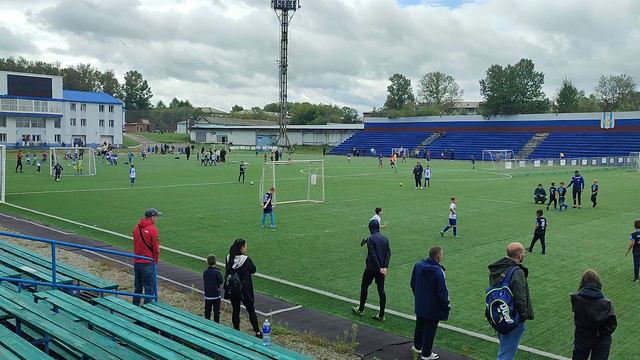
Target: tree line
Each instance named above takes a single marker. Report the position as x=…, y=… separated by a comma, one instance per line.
x=304, y=113
x=508, y=90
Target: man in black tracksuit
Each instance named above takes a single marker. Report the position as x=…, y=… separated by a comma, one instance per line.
x=377, y=263
x=417, y=174
x=540, y=232
x=553, y=198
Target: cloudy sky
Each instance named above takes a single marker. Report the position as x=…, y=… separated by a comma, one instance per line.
x=222, y=52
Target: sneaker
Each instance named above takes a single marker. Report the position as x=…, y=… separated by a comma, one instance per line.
x=273, y=226
x=579, y=207
x=417, y=351
x=378, y=317
x=441, y=233
x=635, y=280
x=529, y=250
x=433, y=356
x=356, y=310
x=574, y=206
x=547, y=208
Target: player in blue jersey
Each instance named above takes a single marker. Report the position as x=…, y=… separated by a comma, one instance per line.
x=595, y=188
x=634, y=245
x=562, y=196
x=267, y=207
x=553, y=197
x=243, y=170
x=539, y=232
x=578, y=185
x=453, y=218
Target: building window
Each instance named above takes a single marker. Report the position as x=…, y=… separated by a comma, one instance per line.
x=56, y=123
x=39, y=123
x=72, y=121
x=57, y=138
x=83, y=122
x=83, y=107
x=101, y=122
x=23, y=123
x=101, y=108
x=3, y=137
x=3, y=121
x=73, y=107
x=111, y=108
x=111, y=123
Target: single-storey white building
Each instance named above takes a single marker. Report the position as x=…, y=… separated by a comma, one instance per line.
x=36, y=111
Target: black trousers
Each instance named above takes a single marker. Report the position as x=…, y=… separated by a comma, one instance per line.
x=424, y=335
x=367, y=278
x=241, y=176
x=208, y=305
x=577, y=195
x=418, y=180
x=636, y=264
x=19, y=165
x=594, y=200
x=538, y=236
x=251, y=310
x=598, y=348
x=554, y=201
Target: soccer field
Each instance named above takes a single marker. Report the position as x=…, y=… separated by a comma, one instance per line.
x=318, y=245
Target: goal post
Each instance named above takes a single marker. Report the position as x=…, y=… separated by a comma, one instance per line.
x=3, y=171
x=493, y=158
x=75, y=160
x=633, y=164
x=295, y=181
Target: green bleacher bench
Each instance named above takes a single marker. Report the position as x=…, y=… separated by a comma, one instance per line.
x=8, y=272
x=183, y=332
x=54, y=345
x=62, y=269
x=14, y=347
x=62, y=328
x=137, y=337
x=216, y=330
x=28, y=268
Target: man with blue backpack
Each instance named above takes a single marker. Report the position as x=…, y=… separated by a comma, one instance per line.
x=508, y=300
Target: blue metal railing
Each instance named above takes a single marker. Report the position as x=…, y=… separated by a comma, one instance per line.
x=54, y=284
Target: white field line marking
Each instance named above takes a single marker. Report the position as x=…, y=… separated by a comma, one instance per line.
x=306, y=288
x=36, y=224
x=500, y=201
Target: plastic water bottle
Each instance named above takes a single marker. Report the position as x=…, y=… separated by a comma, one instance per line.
x=266, y=333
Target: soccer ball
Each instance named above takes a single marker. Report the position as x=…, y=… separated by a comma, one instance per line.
x=400, y=184
x=251, y=183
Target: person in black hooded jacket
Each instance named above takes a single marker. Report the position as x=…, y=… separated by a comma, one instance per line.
x=377, y=263
x=594, y=318
x=240, y=263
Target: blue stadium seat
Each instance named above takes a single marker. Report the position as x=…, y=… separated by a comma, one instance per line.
x=587, y=144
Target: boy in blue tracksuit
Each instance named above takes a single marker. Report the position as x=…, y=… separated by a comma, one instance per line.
x=267, y=207
x=578, y=185
x=212, y=280
x=562, y=195
x=429, y=287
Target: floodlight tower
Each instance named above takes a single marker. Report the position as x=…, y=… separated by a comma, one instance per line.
x=284, y=9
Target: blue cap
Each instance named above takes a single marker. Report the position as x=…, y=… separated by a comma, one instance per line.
x=151, y=212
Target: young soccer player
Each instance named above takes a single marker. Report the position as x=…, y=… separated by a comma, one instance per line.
x=57, y=170
x=562, y=195
x=132, y=175
x=28, y=158
x=380, y=160
x=38, y=165
x=539, y=232
x=377, y=216
x=243, y=169
x=634, y=245
x=80, y=166
x=453, y=216
x=267, y=207
x=473, y=162
x=417, y=174
x=578, y=185
x=212, y=280
x=348, y=157
x=594, y=193
x=392, y=162
x=553, y=197
x=427, y=177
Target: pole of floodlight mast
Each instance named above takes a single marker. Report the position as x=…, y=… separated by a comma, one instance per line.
x=284, y=9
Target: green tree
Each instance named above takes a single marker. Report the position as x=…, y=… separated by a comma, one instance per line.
x=439, y=90
x=177, y=103
x=568, y=98
x=82, y=77
x=349, y=115
x=136, y=91
x=237, y=108
x=613, y=91
x=273, y=107
x=588, y=103
x=161, y=105
x=399, y=92
x=514, y=89
x=109, y=84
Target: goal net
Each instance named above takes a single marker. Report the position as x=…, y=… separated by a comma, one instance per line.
x=74, y=161
x=495, y=158
x=295, y=181
x=633, y=164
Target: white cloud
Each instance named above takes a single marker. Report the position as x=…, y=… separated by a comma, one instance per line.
x=220, y=53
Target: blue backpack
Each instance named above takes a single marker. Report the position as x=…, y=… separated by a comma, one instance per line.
x=501, y=311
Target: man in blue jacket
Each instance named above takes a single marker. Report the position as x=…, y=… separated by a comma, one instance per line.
x=429, y=288
x=377, y=263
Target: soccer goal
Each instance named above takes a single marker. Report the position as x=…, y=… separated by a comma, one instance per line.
x=75, y=161
x=633, y=164
x=295, y=181
x=495, y=158
x=3, y=171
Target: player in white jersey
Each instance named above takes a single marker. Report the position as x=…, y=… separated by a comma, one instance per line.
x=453, y=216
x=427, y=177
x=132, y=174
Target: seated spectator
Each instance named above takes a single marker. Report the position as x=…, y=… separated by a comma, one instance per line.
x=540, y=195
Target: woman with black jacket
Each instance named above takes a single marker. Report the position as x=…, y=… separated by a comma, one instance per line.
x=239, y=263
x=594, y=318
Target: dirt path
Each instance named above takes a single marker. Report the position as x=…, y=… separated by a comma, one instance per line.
x=139, y=138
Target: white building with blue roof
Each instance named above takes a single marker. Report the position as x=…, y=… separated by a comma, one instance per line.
x=36, y=111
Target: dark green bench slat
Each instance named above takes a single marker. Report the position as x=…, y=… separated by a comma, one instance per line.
x=177, y=330
x=137, y=337
x=63, y=269
x=61, y=327
x=8, y=272
x=31, y=269
x=220, y=331
x=54, y=344
x=19, y=346
x=6, y=354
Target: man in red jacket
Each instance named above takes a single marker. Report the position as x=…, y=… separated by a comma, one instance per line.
x=145, y=243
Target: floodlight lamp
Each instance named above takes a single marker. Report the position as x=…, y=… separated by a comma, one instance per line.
x=285, y=4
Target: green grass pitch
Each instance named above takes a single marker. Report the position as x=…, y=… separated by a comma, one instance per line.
x=317, y=245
